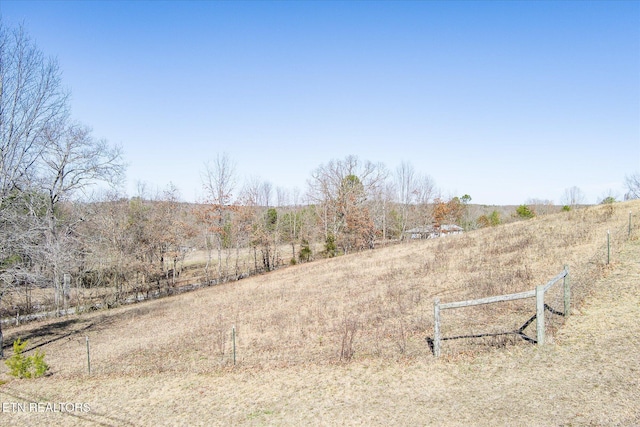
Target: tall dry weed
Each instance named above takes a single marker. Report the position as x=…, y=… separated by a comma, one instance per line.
x=350, y=326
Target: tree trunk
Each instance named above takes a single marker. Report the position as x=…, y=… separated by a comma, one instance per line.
x=255, y=259
x=175, y=267
x=219, y=258
x=57, y=290
x=208, y=265
x=237, y=259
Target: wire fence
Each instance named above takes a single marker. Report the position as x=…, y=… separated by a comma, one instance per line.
x=585, y=276
x=556, y=300
x=81, y=299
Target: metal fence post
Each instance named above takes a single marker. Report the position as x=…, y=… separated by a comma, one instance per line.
x=608, y=247
x=233, y=332
x=436, y=327
x=567, y=293
x=88, y=357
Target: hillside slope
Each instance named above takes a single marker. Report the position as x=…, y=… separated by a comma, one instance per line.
x=167, y=362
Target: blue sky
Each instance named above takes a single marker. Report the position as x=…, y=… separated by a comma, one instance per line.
x=505, y=101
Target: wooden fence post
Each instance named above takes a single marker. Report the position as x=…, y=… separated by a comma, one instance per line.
x=436, y=327
x=540, y=314
x=567, y=293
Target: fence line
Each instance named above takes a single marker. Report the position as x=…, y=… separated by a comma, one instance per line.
x=582, y=277
x=538, y=293
x=153, y=289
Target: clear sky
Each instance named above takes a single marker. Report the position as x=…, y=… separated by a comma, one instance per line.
x=505, y=101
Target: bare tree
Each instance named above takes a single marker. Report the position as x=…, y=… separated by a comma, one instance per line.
x=22, y=231
x=407, y=191
x=219, y=181
x=264, y=192
x=45, y=160
x=138, y=242
x=632, y=182
x=425, y=195
x=339, y=190
x=32, y=100
x=573, y=197
x=123, y=247
x=541, y=206
x=382, y=205
x=293, y=226
x=71, y=161
x=256, y=199
x=170, y=231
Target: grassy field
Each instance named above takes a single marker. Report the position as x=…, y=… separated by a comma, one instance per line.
x=344, y=341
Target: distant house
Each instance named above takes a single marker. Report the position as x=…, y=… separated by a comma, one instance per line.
x=446, y=229
x=420, y=232
x=431, y=231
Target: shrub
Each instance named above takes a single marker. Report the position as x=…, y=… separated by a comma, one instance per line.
x=305, y=251
x=330, y=246
x=608, y=200
x=491, y=220
x=40, y=367
x=21, y=366
x=524, y=211
x=494, y=218
x=566, y=208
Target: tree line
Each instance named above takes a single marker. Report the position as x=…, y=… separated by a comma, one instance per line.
x=46, y=158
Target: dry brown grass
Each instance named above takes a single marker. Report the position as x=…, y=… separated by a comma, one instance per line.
x=343, y=341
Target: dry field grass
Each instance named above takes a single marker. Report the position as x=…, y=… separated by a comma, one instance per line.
x=343, y=341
